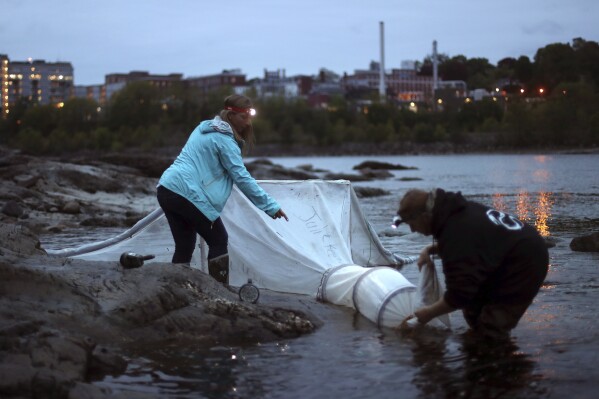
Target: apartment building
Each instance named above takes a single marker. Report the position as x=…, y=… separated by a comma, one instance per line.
x=37, y=81
x=116, y=81
x=227, y=78
x=4, y=104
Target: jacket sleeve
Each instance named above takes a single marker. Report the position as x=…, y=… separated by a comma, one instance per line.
x=464, y=279
x=230, y=158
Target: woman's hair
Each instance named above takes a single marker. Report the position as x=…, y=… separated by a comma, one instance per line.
x=239, y=101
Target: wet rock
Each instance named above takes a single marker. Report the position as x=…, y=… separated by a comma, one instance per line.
x=310, y=168
x=382, y=165
x=550, y=242
x=364, y=192
x=67, y=356
x=63, y=321
x=264, y=169
x=58, y=228
x=146, y=164
x=16, y=375
x=13, y=209
x=105, y=361
x=88, y=391
x=409, y=178
x=102, y=222
x=18, y=240
x=71, y=207
x=588, y=243
x=376, y=173
x=51, y=192
x=26, y=180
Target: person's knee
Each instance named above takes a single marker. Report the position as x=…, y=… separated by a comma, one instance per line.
x=183, y=251
x=216, y=250
x=498, y=320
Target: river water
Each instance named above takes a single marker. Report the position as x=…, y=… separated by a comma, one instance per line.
x=555, y=348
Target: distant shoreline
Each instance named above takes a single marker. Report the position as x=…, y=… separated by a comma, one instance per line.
x=375, y=149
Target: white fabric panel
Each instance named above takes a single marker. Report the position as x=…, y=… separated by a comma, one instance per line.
x=290, y=256
x=326, y=229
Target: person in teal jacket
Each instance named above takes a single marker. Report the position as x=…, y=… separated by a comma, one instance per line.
x=193, y=191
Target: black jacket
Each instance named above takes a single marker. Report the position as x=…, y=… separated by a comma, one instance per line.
x=487, y=255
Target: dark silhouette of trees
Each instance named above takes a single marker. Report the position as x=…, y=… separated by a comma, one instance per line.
x=566, y=113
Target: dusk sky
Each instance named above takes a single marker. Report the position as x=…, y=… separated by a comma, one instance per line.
x=199, y=37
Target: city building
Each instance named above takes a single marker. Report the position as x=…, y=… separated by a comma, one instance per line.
x=227, y=78
x=402, y=85
x=363, y=80
x=276, y=84
x=36, y=81
x=4, y=104
x=91, y=92
x=116, y=81
x=406, y=86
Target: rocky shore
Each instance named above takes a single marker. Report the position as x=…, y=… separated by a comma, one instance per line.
x=65, y=323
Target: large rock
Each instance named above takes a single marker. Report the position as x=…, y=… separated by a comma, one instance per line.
x=265, y=169
x=18, y=240
x=588, y=243
x=64, y=321
x=41, y=192
x=382, y=165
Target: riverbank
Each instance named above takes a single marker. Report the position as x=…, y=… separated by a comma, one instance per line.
x=65, y=323
x=343, y=354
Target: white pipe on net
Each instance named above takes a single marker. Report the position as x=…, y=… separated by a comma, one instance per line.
x=381, y=294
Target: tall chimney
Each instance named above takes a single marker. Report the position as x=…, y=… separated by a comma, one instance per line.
x=435, y=69
x=382, y=64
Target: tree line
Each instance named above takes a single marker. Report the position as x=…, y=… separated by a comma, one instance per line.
x=550, y=101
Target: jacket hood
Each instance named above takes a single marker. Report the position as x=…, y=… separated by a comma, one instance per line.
x=446, y=204
x=216, y=125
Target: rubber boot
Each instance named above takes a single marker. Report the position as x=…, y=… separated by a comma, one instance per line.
x=218, y=268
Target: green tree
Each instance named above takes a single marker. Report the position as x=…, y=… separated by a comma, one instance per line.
x=424, y=133
x=554, y=64
x=480, y=73
x=32, y=141
x=519, y=126
x=137, y=104
x=42, y=118
x=455, y=68
x=78, y=114
x=523, y=70
x=587, y=56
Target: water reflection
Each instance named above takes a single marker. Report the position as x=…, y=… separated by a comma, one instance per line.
x=535, y=209
x=454, y=366
x=169, y=371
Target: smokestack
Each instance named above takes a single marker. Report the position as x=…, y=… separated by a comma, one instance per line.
x=435, y=66
x=382, y=64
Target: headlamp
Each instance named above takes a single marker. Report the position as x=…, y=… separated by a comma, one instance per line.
x=249, y=111
x=396, y=222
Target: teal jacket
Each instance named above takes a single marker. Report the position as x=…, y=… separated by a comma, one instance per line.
x=208, y=165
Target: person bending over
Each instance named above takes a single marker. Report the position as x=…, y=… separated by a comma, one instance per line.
x=193, y=191
x=494, y=264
